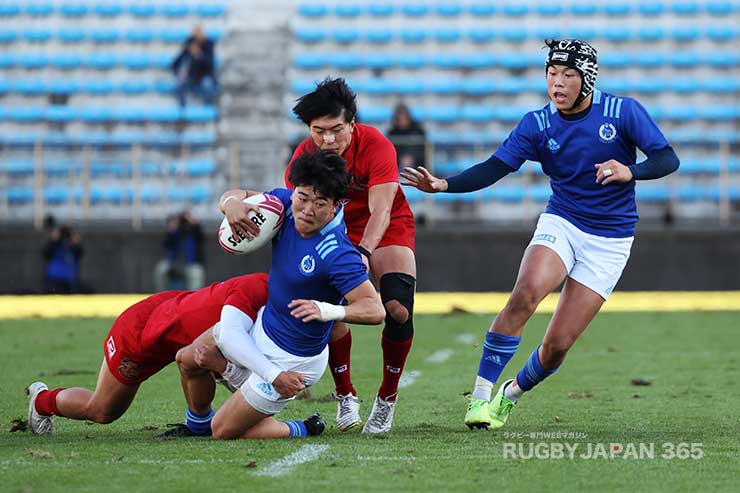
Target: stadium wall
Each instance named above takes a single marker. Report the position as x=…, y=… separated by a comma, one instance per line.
x=468, y=259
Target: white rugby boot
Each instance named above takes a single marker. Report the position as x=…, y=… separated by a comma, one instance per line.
x=39, y=424
x=381, y=417
x=348, y=411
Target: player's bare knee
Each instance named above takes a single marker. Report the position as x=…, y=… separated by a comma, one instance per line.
x=397, y=311
x=522, y=303
x=554, y=351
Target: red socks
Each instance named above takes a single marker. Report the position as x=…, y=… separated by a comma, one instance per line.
x=339, y=353
x=46, y=402
x=394, y=357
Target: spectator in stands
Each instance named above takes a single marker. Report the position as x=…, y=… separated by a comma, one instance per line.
x=194, y=68
x=182, y=267
x=62, y=253
x=408, y=137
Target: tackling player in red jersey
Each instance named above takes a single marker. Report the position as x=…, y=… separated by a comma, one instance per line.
x=381, y=225
x=145, y=338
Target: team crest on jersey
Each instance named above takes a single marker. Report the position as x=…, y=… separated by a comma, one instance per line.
x=607, y=133
x=265, y=388
x=110, y=344
x=129, y=369
x=308, y=265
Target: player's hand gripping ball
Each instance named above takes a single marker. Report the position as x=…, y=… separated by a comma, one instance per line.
x=269, y=219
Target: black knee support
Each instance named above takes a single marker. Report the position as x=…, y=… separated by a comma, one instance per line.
x=400, y=287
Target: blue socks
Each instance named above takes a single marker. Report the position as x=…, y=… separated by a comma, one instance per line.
x=297, y=428
x=497, y=351
x=200, y=424
x=533, y=372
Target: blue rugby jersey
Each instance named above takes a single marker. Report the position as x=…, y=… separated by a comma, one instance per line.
x=613, y=128
x=324, y=267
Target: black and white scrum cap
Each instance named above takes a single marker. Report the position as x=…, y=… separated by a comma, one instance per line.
x=578, y=55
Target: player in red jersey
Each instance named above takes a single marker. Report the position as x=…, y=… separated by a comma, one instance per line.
x=381, y=225
x=145, y=338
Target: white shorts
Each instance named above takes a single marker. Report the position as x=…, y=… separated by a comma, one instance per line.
x=260, y=394
x=596, y=262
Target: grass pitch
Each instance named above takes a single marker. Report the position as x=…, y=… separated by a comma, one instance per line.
x=689, y=361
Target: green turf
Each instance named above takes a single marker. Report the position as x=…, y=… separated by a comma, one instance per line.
x=691, y=359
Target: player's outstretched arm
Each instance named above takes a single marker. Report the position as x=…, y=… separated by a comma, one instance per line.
x=421, y=178
x=236, y=211
x=364, y=308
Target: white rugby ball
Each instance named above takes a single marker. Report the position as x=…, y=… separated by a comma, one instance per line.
x=269, y=219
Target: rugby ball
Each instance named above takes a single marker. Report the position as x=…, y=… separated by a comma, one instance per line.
x=269, y=219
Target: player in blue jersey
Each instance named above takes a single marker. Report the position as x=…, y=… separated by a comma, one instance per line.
x=315, y=269
x=586, y=141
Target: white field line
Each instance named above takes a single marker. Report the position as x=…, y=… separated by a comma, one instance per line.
x=307, y=453
x=440, y=356
x=465, y=339
x=408, y=378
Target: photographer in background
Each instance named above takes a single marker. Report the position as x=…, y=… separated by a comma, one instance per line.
x=182, y=267
x=195, y=70
x=62, y=254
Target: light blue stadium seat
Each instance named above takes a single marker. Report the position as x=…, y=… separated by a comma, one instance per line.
x=720, y=59
x=586, y=33
x=375, y=114
x=379, y=36
x=104, y=35
x=514, y=61
x=689, y=193
x=618, y=34
x=380, y=9
x=685, y=34
x=139, y=35
x=9, y=10
x=174, y=10
x=720, y=33
x=142, y=10
x=19, y=167
x=59, y=114
x=302, y=86
x=312, y=10
x=176, y=194
x=441, y=114
x=347, y=10
x=71, y=35
x=345, y=35
x=480, y=61
x=505, y=193
x=161, y=61
x=63, y=86
x=73, y=9
x=448, y=9
x=411, y=61
x=583, y=9
x=310, y=35
x=448, y=61
x=346, y=61
x=25, y=113
x=683, y=86
x=8, y=35
x=413, y=195
x=650, y=33
x=210, y=10
x=478, y=113
x=40, y=8
x=5, y=86
x=538, y=192
x=415, y=9
x=651, y=8
x=443, y=85
x=309, y=61
x=719, y=8
x=514, y=34
x=679, y=113
x=20, y=195
x=198, y=138
x=481, y=34
x=378, y=87
x=649, y=85
x=379, y=61
x=413, y=35
x=66, y=61
x=447, y=35
x=614, y=59
x=406, y=86
x=510, y=113
x=200, y=113
x=512, y=85
x=151, y=193
x=685, y=7
x=136, y=61
x=720, y=85
x=29, y=86
x=648, y=59
x=515, y=9
x=548, y=31
x=685, y=59
x=478, y=86
x=649, y=192
x=108, y=9
x=134, y=86
x=61, y=167
x=96, y=114
x=549, y=9
x=111, y=193
x=718, y=112
x=37, y=35
x=97, y=86
x=198, y=194
x=617, y=8
x=482, y=9
x=101, y=61
x=173, y=35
